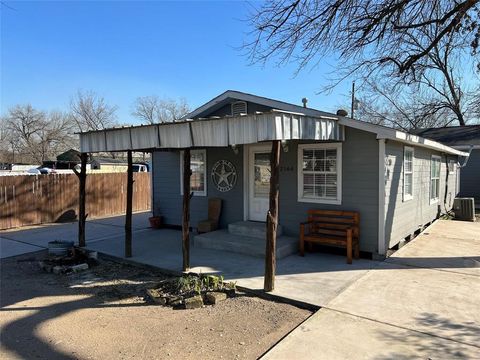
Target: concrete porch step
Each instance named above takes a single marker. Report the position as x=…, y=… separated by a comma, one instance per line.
x=223, y=240
x=251, y=229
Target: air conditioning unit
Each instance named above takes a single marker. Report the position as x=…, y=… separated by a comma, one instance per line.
x=464, y=209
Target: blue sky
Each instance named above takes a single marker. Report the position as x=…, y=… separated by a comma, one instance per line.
x=123, y=50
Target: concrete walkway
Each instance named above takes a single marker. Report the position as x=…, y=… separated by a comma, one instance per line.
x=314, y=279
x=423, y=302
x=15, y=242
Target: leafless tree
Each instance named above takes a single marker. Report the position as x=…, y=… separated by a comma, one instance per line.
x=445, y=90
x=153, y=109
x=35, y=135
x=365, y=35
x=91, y=112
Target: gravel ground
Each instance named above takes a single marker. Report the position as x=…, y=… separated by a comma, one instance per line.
x=101, y=314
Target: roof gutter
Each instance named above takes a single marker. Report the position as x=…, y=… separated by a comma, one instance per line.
x=384, y=132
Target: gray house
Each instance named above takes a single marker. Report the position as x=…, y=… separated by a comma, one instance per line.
x=398, y=182
x=465, y=138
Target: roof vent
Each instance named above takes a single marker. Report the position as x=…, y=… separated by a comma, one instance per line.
x=239, y=108
x=304, y=101
x=342, y=112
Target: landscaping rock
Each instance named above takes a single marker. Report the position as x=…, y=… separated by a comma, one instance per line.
x=174, y=300
x=79, y=267
x=215, y=297
x=194, y=302
x=156, y=297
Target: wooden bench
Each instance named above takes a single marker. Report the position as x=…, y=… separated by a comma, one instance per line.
x=339, y=228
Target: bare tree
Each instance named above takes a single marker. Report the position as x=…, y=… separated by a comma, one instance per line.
x=91, y=112
x=35, y=135
x=445, y=90
x=153, y=109
x=365, y=34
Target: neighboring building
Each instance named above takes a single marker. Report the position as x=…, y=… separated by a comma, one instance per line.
x=397, y=181
x=65, y=161
x=463, y=138
x=108, y=165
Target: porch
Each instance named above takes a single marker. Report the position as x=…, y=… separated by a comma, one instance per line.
x=266, y=135
x=313, y=280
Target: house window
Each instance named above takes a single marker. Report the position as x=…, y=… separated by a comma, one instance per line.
x=407, y=173
x=320, y=173
x=239, y=108
x=435, y=178
x=198, y=179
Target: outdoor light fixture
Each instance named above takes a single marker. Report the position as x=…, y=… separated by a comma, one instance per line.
x=284, y=145
x=235, y=149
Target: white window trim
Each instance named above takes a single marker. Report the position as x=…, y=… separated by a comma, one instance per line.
x=300, y=198
x=407, y=197
x=195, y=193
x=436, y=199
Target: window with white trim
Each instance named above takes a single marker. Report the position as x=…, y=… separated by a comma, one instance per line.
x=198, y=179
x=435, y=164
x=320, y=173
x=408, y=156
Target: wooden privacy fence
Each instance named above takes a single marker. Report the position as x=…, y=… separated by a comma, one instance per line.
x=39, y=199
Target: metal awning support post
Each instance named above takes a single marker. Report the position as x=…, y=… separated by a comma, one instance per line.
x=187, y=172
x=82, y=216
x=128, y=215
x=272, y=218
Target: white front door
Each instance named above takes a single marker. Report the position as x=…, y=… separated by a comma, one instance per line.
x=258, y=182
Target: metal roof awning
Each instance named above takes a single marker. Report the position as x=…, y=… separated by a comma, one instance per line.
x=219, y=132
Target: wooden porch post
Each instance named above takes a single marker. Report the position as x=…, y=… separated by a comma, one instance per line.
x=272, y=218
x=186, y=211
x=82, y=217
x=128, y=215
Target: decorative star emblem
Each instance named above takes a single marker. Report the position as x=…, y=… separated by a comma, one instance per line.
x=223, y=176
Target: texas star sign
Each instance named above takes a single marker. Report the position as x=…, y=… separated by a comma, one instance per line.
x=224, y=175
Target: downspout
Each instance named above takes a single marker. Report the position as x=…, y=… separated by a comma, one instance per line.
x=381, y=197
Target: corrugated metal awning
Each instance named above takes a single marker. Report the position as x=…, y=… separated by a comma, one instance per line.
x=220, y=132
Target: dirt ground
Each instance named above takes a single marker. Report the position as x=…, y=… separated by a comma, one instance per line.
x=101, y=314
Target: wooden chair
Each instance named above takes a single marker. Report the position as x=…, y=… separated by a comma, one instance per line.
x=214, y=210
x=328, y=227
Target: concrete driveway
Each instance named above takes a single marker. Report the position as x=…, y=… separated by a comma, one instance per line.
x=423, y=302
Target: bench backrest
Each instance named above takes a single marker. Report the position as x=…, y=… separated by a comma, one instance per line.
x=334, y=220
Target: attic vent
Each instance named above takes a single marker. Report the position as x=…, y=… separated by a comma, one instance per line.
x=239, y=108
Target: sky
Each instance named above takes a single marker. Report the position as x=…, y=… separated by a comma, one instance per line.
x=122, y=50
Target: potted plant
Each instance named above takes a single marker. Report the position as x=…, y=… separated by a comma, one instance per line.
x=156, y=222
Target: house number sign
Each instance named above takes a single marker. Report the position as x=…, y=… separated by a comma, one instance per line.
x=224, y=175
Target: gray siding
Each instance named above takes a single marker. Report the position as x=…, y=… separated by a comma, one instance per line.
x=359, y=187
x=166, y=188
x=405, y=217
x=470, y=177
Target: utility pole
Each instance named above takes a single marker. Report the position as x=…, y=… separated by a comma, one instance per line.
x=353, y=100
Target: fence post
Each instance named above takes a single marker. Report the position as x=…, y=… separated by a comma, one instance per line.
x=128, y=215
x=82, y=216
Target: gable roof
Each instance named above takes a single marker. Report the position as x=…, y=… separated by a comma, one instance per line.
x=180, y=133
x=381, y=131
x=229, y=95
x=452, y=135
